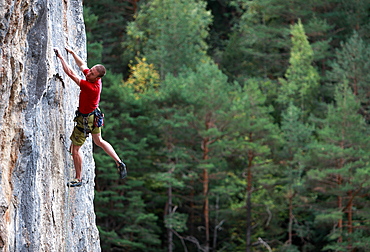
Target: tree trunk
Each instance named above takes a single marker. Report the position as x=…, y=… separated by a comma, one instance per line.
x=206, y=206
x=169, y=231
x=350, y=220
x=290, y=227
x=340, y=199
x=249, y=221
x=249, y=201
x=340, y=205
x=214, y=244
x=192, y=207
x=205, y=193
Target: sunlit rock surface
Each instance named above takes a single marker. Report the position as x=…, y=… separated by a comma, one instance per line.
x=38, y=212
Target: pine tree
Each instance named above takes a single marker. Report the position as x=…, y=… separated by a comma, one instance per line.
x=300, y=84
x=296, y=136
x=352, y=64
x=122, y=217
x=207, y=94
x=297, y=96
x=170, y=34
x=173, y=160
x=340, y=173
x=253, y=132
x=164, y=139
x=259, y=42
x=109, y=30
x=94, y=48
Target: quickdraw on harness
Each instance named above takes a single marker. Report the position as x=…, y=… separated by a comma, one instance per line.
x=98, y=121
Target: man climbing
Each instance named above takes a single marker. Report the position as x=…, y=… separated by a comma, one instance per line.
x=88, y=114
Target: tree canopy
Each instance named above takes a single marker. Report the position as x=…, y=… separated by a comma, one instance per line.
x=244, y=124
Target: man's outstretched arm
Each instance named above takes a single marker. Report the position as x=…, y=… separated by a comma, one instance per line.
x=80, y=63
x=67, y=69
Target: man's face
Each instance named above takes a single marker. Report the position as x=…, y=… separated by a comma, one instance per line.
x=92, y=75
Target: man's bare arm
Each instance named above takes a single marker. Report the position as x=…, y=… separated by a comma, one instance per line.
x=80, y=63
x=67, y=69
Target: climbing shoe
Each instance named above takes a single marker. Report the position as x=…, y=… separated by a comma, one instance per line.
x=74, y=183
x=122, y=170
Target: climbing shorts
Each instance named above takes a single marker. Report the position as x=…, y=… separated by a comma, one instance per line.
x=78, y=136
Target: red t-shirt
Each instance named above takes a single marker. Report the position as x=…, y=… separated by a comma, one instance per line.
x=89, y=95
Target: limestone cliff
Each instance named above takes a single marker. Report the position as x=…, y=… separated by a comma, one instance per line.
x=38, y=212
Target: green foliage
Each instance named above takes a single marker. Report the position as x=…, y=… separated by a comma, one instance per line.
x=296, y=133
x=170, y=34
x=338, y=157
x=176, y=221
x=300, y=84
x=247, y=107
x=135, y=229
x=94, y=49
x=108, y=28
x=260, y=42
x=352, y=64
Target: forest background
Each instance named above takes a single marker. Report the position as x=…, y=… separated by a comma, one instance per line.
x=244, y=124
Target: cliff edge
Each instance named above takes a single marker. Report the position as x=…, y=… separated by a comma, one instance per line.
x=38, y=212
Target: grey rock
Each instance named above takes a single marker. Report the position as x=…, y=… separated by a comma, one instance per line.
x=38, y=212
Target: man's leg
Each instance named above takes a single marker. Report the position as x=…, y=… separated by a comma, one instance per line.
x=78, y=139
x=77, y=160
x=107, y=147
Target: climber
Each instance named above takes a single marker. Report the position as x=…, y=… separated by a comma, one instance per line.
x=88, y=118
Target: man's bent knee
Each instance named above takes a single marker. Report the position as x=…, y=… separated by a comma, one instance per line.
x=98, y=140
x=75, y=149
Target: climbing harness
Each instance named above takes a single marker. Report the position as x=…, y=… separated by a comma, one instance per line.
x=87, y=130
x=98, y=121
x=85, y=122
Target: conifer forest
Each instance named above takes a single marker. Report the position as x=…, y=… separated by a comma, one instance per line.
x=244, y=124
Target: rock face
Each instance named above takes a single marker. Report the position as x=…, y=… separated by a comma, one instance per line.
x=38, y=212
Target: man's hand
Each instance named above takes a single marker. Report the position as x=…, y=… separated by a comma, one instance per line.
x=56, y=50
x=80, y=63
x=69, y=50
x=67, y=69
